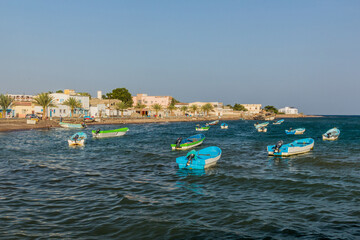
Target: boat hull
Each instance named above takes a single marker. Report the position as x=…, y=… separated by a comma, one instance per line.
x=202, y=129
x=294, y=148
x=76, y=143
x=261, y=125
x=262, y=129
x=224, y=127
x=325, y=138
x=331, y=135
x=295, y=131
x=189, y=142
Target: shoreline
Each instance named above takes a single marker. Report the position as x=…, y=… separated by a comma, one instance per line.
x=12, y=125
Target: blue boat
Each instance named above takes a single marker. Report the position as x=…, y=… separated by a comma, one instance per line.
x=278, y=122
x=260, y=125
x=201, y=159
x=224, y=126
x=296, y=131
x=296, y=147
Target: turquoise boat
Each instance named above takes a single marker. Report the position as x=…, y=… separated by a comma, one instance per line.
x=278, y=122
x=78, y=139
x=296, y=131
x=331, y=134
x=224, y=126
x=71, y=125
x=296, y=147
x=187, y=143
x=201, y=159
x=260, y=125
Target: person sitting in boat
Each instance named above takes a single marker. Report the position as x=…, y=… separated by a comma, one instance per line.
x=83, y=124
x=76, y=137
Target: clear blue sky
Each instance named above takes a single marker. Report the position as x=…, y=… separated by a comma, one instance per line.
x=283, y=53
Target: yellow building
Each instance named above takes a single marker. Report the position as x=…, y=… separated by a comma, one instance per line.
x=20, y=109
x=253, y=108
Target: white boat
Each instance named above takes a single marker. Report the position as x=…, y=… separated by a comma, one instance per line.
x=269, y=118
x=262, y=129
x=109, y=133
x=78, y=139
x=71, y=125
x=331, y=135
x=296, y=147
x=224, y=126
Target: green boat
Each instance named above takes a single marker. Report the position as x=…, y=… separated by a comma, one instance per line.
x=109, y=133
x=201, y=128
x=187, y=143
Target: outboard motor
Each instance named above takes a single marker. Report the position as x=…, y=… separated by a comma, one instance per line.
x=178, y=141
x=278, y=146
x=97, y=131
x=190, y=156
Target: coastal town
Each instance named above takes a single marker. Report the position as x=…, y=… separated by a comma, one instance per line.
x=119, y=106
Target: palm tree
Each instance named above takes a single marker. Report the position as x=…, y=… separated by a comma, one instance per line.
x=139, y=106
x=45, y=101
x=207, y=108
x=5, y=103
x=194, y=108
x=72, y=103
x=184, y=109
x=171, y=108
x=121, y=106
x=157, y=107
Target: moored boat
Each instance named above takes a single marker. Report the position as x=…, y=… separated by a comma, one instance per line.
x=78, y=139
x=201, y=159
x=296, y=131
x=213, y=123
x=262, y=129
x=187, y=143
x=278, y=122
x=259, y=125
x=224, y=126
x=201, y=128
x=331, y=134
x=72, y=125
x=296, y=147
x=109, y=133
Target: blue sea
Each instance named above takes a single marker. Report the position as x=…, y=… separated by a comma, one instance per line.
x=130, y=187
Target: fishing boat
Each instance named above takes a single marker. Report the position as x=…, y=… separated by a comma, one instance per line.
x=331, y=134
x=224, y=126
x=201, y=128
x=187, y=143
x=262, y=129
x=296, y=131
x=78, y=139
x=278, y=122
x=269, y=118
x=201, y=159
x=296, y=147
x=109, y=133
x=72, y=125
x=259, y=125
x=213, y=123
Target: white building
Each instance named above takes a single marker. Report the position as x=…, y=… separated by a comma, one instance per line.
x=65, y=111
x=289, y=110
x=252, y=108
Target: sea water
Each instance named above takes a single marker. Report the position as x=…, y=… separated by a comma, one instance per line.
x=129, y=187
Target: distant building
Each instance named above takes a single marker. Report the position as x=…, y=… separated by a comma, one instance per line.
x=142, y=98
x=21, y=97
x=253, y=108
x=289, y=110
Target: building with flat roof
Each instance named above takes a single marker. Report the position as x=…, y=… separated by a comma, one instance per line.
x=253, y=108
x=142, y=98
x=289, y=110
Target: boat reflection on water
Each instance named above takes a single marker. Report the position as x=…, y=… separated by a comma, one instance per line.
x=183, y=173
x=189, y=185
x=287, y=162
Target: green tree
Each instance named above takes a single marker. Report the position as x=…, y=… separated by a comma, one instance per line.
x=207, y=108
x=239, y=107
x=157, y=107
x=85, y=94
x=174, y=101
x=59, y=91
x=121, y=106
x=121, y=94
x=184, y=109
x=45, y=101
x=72, y=103
x=5, y=103
x=269, y=108
x=171, y=108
